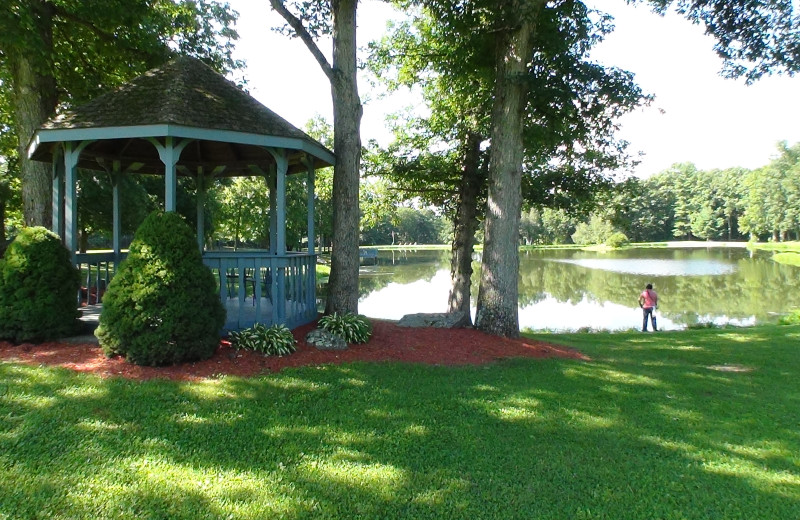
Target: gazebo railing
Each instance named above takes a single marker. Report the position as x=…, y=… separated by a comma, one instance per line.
x=254, y=286
x=259, y=287
x=97, y=269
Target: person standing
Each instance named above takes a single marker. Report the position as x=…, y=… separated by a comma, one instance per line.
x=648, y=301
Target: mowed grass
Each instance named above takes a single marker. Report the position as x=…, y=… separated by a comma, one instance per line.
x=787, y=258
x=679, y=425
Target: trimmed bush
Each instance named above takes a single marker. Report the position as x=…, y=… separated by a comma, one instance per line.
x=38, y=288
x=162, y=307
x=616, y=239
x=353, y=328
x=793, y=318
x=276, y=340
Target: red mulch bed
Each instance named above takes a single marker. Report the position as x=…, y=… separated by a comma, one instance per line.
x=389, y=343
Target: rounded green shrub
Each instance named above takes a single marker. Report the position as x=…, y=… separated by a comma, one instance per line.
x=162, y=307
x=38, y=288
x=616, y=239
x=793, y=318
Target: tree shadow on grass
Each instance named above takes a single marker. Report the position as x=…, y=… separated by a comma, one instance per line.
x=638, y=433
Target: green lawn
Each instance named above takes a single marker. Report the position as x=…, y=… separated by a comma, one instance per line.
x=788, y=258
x=792, y=246
x=678, y=425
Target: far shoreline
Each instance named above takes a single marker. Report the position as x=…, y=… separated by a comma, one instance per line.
x=703, y=243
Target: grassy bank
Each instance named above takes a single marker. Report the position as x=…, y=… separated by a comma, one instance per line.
x=787, y=258
x=792, y=247
x=690, y=425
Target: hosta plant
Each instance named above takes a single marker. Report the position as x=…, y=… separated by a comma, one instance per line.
x=276, y=340
x=353, y=328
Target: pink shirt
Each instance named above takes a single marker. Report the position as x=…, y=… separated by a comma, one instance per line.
x=649, y=297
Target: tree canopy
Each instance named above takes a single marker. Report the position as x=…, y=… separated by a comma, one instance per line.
x=59, y=53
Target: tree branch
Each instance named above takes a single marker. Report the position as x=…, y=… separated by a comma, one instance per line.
x=422, y=191
x=102, y=35
x=296, y=24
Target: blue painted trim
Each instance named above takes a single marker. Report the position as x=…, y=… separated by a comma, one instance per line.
x=45, y=135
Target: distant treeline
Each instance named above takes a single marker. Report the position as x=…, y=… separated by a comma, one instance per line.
x=684, y=203
x=680, y=203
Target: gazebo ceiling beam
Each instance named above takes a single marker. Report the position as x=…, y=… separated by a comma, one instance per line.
x=131, y=167
x=135, y=163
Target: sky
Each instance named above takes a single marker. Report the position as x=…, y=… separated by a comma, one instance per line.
x=697, y=115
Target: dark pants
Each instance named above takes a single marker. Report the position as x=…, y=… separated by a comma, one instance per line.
x=648, y=311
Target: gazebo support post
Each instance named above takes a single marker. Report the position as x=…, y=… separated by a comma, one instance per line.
x=272, y=183
x=283, y=166
x=58, y=193
x=116, y=216
x=310, y=201
x=201, y=202
x=170, y=152
x=71, y=154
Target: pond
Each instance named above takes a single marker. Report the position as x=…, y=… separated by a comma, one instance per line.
x=564, y=290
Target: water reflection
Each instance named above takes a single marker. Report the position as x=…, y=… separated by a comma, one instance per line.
x=569, y=290
x=654, y=266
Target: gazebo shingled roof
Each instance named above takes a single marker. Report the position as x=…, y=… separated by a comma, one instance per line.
x=184, y=98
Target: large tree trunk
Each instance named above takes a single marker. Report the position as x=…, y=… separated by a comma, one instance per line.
x=343, y=282
x=465, y=225
x=498, y=292
x=34, y=97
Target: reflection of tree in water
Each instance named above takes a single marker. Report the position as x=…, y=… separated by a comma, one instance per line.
x=401, y=266
x=758, y=288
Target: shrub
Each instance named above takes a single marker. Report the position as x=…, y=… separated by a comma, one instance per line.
x=703, y=325
x=353, y=328
x=162, y=307
x=793, y=318
x=276, y=340
x=38, y=288
x=616, y=239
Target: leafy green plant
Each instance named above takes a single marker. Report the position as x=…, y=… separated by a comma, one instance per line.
x=703, y=325
x=163, y=306
x=276, y=340
x=38, y=288
x=793, y=318
x=353, y=328
x=616, y=239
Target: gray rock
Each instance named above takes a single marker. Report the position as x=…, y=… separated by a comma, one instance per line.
x=324, y=340
x=441, y=320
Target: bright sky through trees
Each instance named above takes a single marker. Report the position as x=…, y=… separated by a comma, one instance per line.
x=697, y=116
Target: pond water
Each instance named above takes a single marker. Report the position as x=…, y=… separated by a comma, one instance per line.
x=563, y=290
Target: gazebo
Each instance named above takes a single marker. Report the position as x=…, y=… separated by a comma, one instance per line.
x=184, y=119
